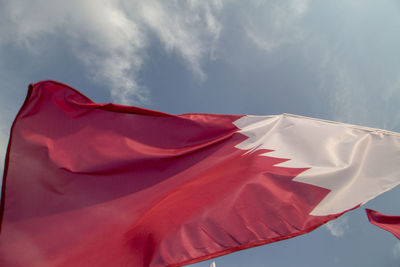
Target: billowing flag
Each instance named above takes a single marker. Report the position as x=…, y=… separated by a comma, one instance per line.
x=90, y=184
x=389, y=223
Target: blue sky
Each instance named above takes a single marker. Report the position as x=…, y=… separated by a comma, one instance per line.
x=336, y=60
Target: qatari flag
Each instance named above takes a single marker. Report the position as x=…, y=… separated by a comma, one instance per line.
x=89, y=184
x=389, y=223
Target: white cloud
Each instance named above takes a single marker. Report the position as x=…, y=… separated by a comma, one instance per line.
x=272, y=24
x=391, y=99
x=351, y=71
x=188, y=27
x=110, y=37
x=338, y=227
x=396, y=250
x=357, y=73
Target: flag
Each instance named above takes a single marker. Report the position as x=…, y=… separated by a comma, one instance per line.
x=389, y=223
x=89, y=184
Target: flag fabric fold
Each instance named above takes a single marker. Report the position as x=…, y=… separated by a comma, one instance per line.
x=88, y=184
x=389, y=223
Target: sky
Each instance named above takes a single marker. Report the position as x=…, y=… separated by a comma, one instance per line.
x=335, y=60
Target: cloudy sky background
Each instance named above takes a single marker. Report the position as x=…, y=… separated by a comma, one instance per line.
x=336, y=60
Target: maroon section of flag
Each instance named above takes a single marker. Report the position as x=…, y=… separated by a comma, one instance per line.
x=90, y=184
x=389, y=223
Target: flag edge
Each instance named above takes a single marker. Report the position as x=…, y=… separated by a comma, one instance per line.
x=259, y=243
x=7, y=157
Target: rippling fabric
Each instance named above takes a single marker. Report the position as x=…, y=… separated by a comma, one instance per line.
x=89, y=184
x=389, y=223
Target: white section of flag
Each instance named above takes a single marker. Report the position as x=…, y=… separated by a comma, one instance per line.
x=212, y=264
x=356, y=163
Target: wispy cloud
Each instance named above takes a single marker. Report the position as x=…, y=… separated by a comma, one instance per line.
x=351, y=71
x=190, y=28
x=391, y=98
x=111, y=37
x=338, y=227
x=396, y=250
x=359, y=74
x=274, y=23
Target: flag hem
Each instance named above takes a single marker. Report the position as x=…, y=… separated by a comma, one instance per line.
x=369, y=129
x=259, y=243
x=7, y=158
x=374, y=219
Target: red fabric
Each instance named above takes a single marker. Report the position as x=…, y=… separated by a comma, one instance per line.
x=89, y=184
x=387, y=222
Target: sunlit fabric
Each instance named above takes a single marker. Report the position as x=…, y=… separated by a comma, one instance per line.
x=90, y=184
x=389, y=223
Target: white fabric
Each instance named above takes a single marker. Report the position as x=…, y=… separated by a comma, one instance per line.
x=355, y=163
